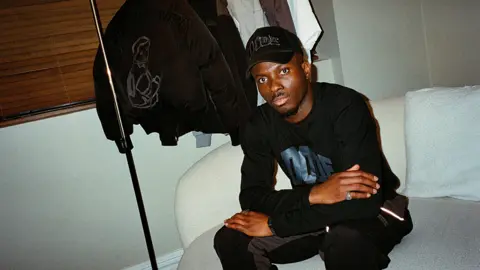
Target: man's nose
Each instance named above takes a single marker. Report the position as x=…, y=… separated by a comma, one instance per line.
x=276, y=86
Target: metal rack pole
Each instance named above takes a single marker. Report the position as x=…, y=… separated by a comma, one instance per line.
x=131, y=164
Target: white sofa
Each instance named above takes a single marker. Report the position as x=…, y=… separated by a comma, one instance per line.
x=446, y=232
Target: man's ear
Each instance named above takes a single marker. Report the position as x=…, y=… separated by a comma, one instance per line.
x=307, y=69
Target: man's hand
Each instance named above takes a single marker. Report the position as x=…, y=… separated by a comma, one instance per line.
x=250, y=223
x=360, y=184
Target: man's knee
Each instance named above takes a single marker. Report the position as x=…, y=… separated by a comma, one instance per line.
x=345, y=247
x=343, y=239
x=226, y=239
x=231, y=247
x=221, y=239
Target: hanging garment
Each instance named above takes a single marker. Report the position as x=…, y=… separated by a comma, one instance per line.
x=248, y=15
x=307, y=27
x=169, y=73
x=278, y=14
x=215, y=15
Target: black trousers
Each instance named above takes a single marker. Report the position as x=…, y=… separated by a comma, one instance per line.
x=356, y=244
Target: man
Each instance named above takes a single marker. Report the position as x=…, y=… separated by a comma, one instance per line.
x=343, y=204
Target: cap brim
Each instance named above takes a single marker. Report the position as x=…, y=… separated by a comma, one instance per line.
x=280, y=57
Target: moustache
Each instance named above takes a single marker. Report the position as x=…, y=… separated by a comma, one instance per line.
x=278, y=94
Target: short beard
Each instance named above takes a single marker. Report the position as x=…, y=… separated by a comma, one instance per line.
x=294, y=111
x=290, y=112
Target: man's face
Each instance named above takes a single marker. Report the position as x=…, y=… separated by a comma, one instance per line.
x=283, y=86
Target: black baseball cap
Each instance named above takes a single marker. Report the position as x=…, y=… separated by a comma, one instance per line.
x=271, y=44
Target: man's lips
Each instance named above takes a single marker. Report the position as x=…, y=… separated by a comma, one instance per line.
x=280, y=101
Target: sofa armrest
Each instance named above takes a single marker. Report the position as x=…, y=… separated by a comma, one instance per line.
x=207, y=193
x=389, y=114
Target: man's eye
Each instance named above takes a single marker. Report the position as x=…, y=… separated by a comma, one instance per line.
x=262, y=80
x=284, y=70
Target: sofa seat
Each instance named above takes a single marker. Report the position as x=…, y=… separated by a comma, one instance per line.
x=446, y=236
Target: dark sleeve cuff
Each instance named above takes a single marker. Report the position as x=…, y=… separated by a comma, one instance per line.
x=235, y=137
x=277, y=222
x=306, y=196
x=121, y=147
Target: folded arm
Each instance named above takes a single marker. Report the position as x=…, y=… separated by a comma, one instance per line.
x=356, y=133
x=258, y=174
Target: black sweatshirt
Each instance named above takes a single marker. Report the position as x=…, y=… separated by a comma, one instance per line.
x=338, y=133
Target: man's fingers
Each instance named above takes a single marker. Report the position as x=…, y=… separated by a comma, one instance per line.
x=360, y=195
x=237, y=224
x=358, y=173
x=359, y=180
x=354, y=168
x=360, y=188
x=237, y=221
x=237, y=227
x=239, y=216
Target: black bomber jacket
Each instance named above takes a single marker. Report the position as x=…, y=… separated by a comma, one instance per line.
x=169, y=74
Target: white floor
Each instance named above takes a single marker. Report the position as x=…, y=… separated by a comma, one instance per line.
x=166, y=262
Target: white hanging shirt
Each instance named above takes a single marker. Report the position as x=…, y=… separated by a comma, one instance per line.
x=248, y=15
x=306, y=24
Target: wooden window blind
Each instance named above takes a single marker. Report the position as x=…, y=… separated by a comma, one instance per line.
x=47, y=48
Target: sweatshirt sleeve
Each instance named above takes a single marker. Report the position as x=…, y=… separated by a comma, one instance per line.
x=355, y=130
x=258, y=176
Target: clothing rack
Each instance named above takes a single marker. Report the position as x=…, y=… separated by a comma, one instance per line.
x=123, y=142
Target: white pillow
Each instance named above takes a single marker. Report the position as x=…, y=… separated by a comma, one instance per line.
x=442, y=138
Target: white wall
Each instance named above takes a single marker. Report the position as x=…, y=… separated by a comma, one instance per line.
x=452, y=30
x=327, y=47
x=388, y=47
x=67, y=200
x=382, y=46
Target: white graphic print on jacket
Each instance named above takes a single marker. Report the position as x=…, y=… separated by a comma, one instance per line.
x=142, y=88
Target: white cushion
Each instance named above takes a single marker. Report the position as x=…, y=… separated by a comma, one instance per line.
x=442, y=128
x=445, y=236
